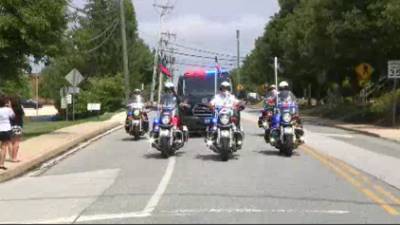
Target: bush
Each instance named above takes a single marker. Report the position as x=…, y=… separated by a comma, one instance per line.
x=108, y=90
x=382, y=107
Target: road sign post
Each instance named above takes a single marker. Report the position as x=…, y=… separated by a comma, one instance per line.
x=394, y=73
x=74, y=78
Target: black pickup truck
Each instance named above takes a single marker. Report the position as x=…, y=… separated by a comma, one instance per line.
x=197, y=90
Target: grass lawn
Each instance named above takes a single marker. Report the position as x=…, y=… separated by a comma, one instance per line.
x=37, y=128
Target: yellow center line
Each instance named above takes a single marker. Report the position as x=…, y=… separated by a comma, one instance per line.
x=343, y=172
x=354, y=177
x=392, y=211
x=388, y=194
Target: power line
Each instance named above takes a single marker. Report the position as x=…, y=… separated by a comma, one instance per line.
x=105, y=40
x=111, y=26
x=204, y=51
x=200, y=56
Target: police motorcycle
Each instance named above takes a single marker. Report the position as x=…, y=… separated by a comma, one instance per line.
x=166, y=136
x=223, y=136
x=137, y=124
x=285, y=134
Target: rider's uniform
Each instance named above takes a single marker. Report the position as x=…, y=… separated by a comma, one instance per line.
x=224, y=100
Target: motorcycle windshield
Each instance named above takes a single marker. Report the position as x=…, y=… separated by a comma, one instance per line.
x=287, y=103
x=136, y=102
x=168, y=102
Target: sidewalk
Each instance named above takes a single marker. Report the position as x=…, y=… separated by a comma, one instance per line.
x=37, y=150
x=391, y=134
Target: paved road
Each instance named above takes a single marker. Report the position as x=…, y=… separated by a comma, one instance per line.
x=117, y=180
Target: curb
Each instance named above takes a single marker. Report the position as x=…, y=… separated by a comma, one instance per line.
x=25, y=167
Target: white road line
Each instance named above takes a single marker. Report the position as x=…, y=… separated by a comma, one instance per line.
x=162, y=187
x=151, y=205
x=245, y=210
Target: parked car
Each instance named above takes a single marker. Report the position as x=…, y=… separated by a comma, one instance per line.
x=30, y=103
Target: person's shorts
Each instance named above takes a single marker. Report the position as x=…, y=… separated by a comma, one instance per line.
x=16, y=131
x=5, y=136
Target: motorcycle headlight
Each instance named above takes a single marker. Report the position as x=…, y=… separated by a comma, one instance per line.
x=136, y=113
x=286, y=117
x=224, y=119
x=166, y=120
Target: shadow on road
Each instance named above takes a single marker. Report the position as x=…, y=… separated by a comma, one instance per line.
x=276, y=153
x=157, y=155
x=214, y=157
x=133, y=139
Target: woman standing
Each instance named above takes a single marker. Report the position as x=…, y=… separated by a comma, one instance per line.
x=6, y=114
x=17, y=123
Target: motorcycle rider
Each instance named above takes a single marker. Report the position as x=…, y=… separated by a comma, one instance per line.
x=285, y=93
x=225, y=99
x=136, y=97
x=271, y=94
x=169, y=93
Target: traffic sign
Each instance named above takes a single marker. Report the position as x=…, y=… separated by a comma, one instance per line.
x=73, y=90
x=394, y=69
x=69, y=99
x=93, y=106
x=64, y=103
x=74, y=77
x=364, y=71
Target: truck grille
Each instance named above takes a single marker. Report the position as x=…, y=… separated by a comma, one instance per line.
x=201, y=111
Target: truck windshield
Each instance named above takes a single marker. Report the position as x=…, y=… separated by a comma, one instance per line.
x=201, y=87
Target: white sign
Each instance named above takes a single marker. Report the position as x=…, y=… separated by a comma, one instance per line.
x=394, y=69
x=69, y=99
x=63, y=103
x=73, y=90
x=93, y=106
x=74, y=77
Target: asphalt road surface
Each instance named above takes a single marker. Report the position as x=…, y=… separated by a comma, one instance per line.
x=118, y=180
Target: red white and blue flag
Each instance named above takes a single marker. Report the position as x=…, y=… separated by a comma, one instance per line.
x=165, y=71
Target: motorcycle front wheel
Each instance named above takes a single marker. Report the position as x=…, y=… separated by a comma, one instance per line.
x=224, y=151
x=165, y=147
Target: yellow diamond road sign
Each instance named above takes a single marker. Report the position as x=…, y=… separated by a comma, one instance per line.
x=364, y=71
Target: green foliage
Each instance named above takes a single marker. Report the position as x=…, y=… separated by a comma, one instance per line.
x=18, y=86
x=29, y=28
x=95, y=49
x=106, y=90
x=319, y=42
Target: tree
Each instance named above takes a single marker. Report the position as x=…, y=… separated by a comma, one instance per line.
x=320, y=42
x=29, y=28
x=93, y=46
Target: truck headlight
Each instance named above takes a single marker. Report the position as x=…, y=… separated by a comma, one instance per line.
x=286, y=117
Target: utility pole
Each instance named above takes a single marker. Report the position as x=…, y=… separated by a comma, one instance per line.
x=165, y=40
x=164, y=9
x=124, y=50
x=238, y=55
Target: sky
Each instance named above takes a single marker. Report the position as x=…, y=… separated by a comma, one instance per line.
x=205, y=24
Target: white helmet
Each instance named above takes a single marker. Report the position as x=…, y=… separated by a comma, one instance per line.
x=169, y=85
x=283, y=84
x=225, y=85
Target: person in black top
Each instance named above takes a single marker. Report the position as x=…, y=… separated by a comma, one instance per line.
x=17, y=124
